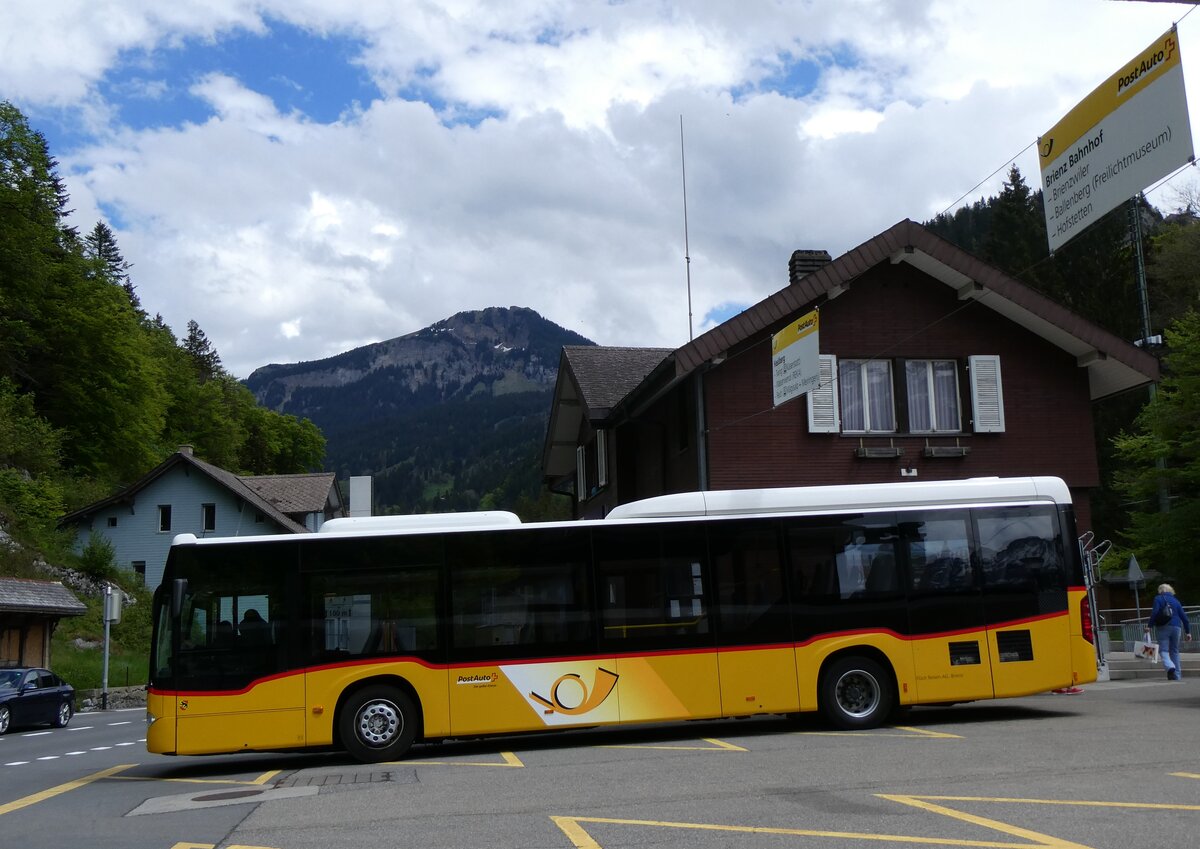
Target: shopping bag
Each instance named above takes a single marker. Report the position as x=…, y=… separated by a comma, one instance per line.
x=1146, y=650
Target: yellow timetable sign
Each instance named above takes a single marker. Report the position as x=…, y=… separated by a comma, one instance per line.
x=1130, y=131
x=795, y=358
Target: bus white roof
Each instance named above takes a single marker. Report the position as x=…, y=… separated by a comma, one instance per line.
x=802, y=499
x=421, y=521
x=736, y=502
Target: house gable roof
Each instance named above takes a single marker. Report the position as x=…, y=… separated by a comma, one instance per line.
x=592, y=380
x=238, y=486
x=21, y=595
x=1113, y=365
x=296, y=494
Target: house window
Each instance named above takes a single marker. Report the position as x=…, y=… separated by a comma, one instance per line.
x=208, y=517
x=858, y=396
x=932, y=387
x=139, y=569
x=591, y=466
x=112, y=521
x=865, y=389
x=164, y=518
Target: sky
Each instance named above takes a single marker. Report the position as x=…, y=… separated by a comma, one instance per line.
x=304, y=177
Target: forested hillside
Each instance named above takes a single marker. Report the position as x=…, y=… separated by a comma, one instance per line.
x=94, y=390
x=1149, y=454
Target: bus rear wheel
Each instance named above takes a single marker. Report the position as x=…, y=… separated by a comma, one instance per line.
x=856, y=693
x=378, y=723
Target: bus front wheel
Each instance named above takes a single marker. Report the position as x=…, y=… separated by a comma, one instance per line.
x=378, y=723
x=856, y=693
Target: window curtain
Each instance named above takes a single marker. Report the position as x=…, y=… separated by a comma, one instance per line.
x=932, y=395
x=945, y=395
x=850, y=383
x=882, y=412
x=866, y=396
x=917, y=381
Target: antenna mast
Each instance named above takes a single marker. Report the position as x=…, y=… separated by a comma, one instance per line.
x=686, y=248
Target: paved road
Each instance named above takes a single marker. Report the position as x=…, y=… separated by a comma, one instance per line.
x=1107, y=769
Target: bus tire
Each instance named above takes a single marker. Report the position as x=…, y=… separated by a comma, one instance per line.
x=856, y=693
x=378, y=723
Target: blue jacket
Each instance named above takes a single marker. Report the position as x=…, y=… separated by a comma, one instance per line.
x=1179, y=616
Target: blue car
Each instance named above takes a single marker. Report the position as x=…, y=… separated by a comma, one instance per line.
x=31, y=696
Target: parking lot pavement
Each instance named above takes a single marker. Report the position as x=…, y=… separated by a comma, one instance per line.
x=1081, y=770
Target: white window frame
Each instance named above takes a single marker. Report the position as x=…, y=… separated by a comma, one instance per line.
x=868, y=416
x=204, y=514
x=599, y=474
x=931, y=406
x=164, y=518
x=601, y=458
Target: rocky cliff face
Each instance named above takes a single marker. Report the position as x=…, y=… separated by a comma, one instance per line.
x=443, y=418
x=495, y=351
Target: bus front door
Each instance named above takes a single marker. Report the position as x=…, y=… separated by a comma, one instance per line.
x=237, y=700
x=951, y=657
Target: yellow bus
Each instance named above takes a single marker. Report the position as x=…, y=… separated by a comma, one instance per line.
x=854, y=601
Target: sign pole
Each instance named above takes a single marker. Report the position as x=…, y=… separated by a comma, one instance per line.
x=107, y=621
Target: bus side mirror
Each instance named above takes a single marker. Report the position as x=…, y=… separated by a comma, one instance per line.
x=178, y=588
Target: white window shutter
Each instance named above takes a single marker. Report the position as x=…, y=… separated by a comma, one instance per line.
x=581, y=473
x=823, y=412
x=601, y=458
x=987, y=395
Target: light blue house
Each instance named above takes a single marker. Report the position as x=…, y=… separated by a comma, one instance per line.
x=185, y=495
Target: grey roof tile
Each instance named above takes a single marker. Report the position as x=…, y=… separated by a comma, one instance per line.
x=22, y=595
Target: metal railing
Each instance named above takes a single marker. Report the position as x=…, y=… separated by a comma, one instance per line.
x=1120, y=628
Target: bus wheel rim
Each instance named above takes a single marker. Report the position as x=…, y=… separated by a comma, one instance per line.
x=857, y=693
x=379, y=723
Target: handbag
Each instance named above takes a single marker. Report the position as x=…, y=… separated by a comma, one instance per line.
x=1146, y=650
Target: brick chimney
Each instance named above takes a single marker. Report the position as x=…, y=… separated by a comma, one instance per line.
x=185, y=450
x=806, y=262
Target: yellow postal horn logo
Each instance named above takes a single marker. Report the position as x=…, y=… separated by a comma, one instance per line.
x=575, y=698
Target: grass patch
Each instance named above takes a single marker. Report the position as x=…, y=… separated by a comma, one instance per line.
x=82, y=664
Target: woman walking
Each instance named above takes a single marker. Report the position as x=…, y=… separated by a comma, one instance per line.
x=1171, y=621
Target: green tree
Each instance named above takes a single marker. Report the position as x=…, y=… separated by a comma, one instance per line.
x=1161, y=458
x=1016, y=238
x=205, y=359
x=1174, y=269
x=100, y=246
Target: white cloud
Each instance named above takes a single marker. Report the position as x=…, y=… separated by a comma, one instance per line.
x=288, y=239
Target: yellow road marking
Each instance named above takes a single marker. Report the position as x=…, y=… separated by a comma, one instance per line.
x=62, y=788
x=1078, y=803
x=262, y=779
x=886, y=732
x=924, y=732
x=1185, y=775
x=579, y=837
x=572, y=826
x=717, y=746
x=213, y=846
x=1035, y=838
x=510, y=760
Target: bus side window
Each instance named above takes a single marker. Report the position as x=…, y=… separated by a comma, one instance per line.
x=515, y=594
x=939, y=552
x=652, y=585
x=1022, y=549
x=749, y=581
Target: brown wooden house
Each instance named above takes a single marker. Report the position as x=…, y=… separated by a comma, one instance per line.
x=935, y=366
x=29, y=613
